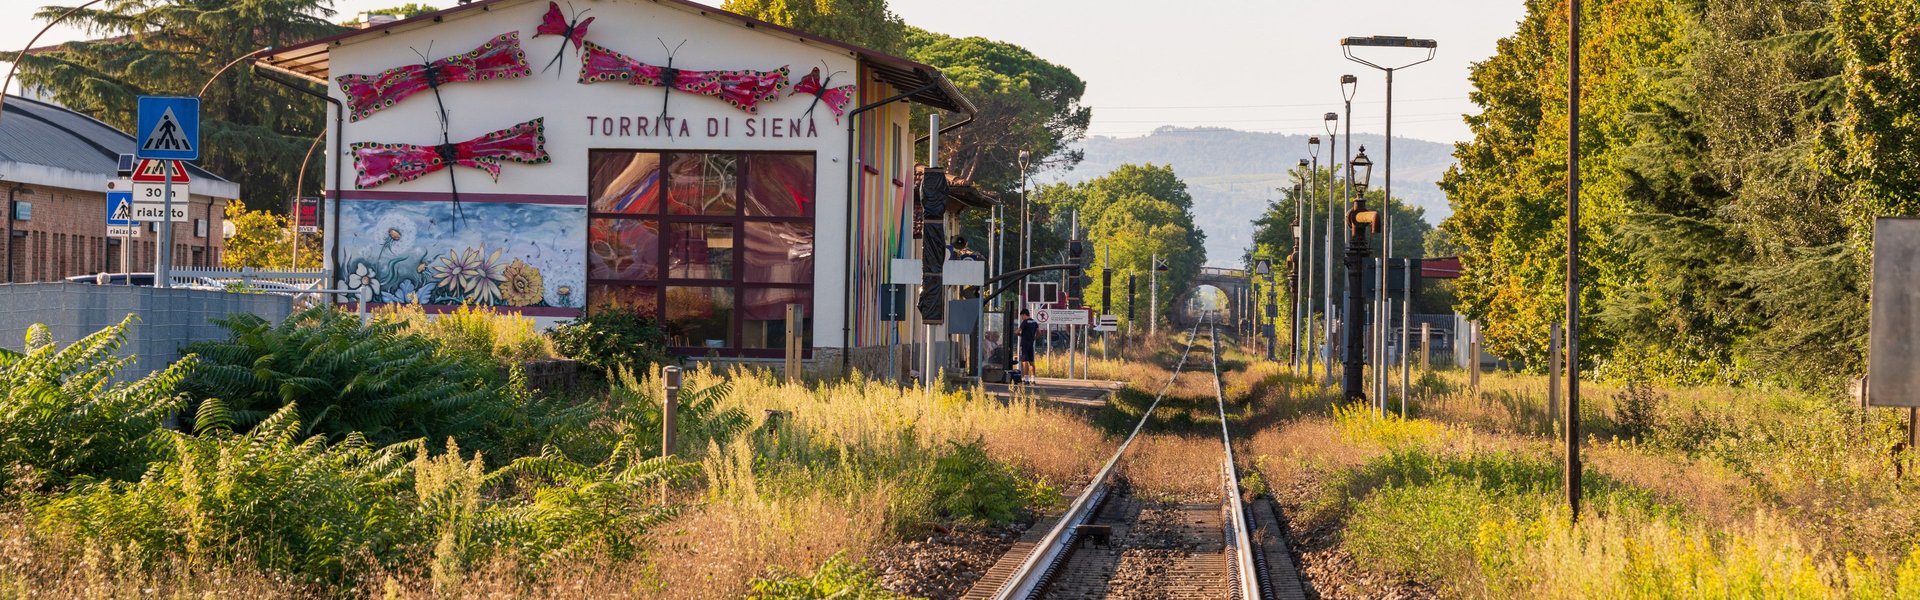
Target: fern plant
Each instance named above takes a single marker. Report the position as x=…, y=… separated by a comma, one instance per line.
x=577, y=510
x=63, y=415
x=273, y=497
x=373, y=379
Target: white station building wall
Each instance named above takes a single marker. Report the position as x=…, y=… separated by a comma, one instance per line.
x=578, y=118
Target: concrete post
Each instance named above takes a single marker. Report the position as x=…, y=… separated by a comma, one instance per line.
x=670, y=409
x=1553, y=372
x=794, y=321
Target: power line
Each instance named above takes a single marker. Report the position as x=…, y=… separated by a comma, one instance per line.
x=1408, y=119
x=1305, y=105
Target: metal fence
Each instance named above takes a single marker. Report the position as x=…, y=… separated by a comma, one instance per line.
x=307, y=287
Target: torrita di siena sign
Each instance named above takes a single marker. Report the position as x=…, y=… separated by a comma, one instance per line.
x=710, y=127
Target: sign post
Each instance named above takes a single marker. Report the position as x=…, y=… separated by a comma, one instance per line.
x=169, y=130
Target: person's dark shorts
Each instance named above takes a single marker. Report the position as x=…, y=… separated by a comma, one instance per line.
x=1026, y=353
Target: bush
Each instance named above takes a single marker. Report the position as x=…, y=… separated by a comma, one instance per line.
x=1426, y=531
x=1635, y=409
x=611, y=339
x=838, y=578
x=376, y=380
x=62, y=415
x=271, y=497
x=968, y=485
x=505, y=338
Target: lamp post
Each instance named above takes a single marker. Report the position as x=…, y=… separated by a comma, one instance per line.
x=1359, y=220
x=1302, y=285
x=1305, y=301
x=1325, y=347
x=1382, y=319
x=1349, y=86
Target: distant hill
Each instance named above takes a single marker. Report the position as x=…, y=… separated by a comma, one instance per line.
x=1232, y=174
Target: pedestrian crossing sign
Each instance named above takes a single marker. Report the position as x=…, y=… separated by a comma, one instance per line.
x=168, y=128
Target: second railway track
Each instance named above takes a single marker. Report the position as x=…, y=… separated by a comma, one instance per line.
x=1112, y=542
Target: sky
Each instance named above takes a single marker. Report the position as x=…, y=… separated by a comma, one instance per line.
x=1254, y=65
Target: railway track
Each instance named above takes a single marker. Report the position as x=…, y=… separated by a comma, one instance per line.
x=1112, y=543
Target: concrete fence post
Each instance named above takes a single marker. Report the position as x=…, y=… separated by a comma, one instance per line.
x=794, y=322
x=1473, y=356
x=670, y=409
x=1553, y=372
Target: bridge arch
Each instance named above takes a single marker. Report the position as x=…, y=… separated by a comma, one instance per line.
x=1237, y=283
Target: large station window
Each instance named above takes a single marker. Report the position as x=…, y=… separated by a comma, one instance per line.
x=714, y=244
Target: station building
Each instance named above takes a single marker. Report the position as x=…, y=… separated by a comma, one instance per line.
x=690, y=163
x=55, y=165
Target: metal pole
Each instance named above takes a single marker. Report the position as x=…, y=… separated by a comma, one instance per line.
x=1384, y=318
x=1300, y=259
x=1573, y=260
x=1327, y=277
x=1073, y=332
x=1406, y=322
x=163, y=256
x=1153, y=295
x=1305, y=324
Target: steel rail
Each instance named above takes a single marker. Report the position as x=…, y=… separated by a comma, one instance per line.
x=1247, y=574
x=1030, y=578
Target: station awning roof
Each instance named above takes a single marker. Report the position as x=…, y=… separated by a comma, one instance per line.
x=309, y=60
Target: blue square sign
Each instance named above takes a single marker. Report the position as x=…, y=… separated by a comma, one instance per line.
x=169, y=128
x=119, y=209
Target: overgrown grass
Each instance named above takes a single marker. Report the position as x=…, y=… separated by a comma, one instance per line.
x=1710, y=492
x=772, y=482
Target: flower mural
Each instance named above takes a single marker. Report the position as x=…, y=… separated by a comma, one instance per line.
x=521, y=286
x=501, y=254
x=364, y=280
x=468, y=276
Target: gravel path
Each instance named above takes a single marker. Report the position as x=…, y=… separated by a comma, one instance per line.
x=941, y=565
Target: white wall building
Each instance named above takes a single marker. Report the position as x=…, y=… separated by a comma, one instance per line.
x=711, y=204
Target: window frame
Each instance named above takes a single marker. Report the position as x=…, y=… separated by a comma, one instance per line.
x=662, y=216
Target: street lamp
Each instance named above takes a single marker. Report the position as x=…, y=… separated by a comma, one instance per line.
x=1381, y=318
x=1303, y=304
x=1326, y=258
x=1359, y=221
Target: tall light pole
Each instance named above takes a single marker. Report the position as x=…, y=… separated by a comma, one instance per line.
x=1382, y=318
x=1026, y=222
x=1305, y=301
x=1326, y=260
x=1573, y=260
x=1359, y=220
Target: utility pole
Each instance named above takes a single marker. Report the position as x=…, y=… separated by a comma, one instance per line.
x=1573, y=260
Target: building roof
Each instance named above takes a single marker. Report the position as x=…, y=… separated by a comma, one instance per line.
x=309, y=60
x=43, y=143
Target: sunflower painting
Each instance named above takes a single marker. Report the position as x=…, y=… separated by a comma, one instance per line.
x=500, y=254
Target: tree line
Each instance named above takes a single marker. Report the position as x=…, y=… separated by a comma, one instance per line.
x=1733, y=156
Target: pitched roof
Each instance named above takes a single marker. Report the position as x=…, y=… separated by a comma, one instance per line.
x=68, y=149
x=309, y=60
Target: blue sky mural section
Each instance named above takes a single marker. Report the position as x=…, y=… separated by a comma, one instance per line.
x=487, y=253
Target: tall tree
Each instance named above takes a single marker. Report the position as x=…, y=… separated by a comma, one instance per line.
x=1132, y=214
x=864, y=22
x=1024, y=103
x=254, y=131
